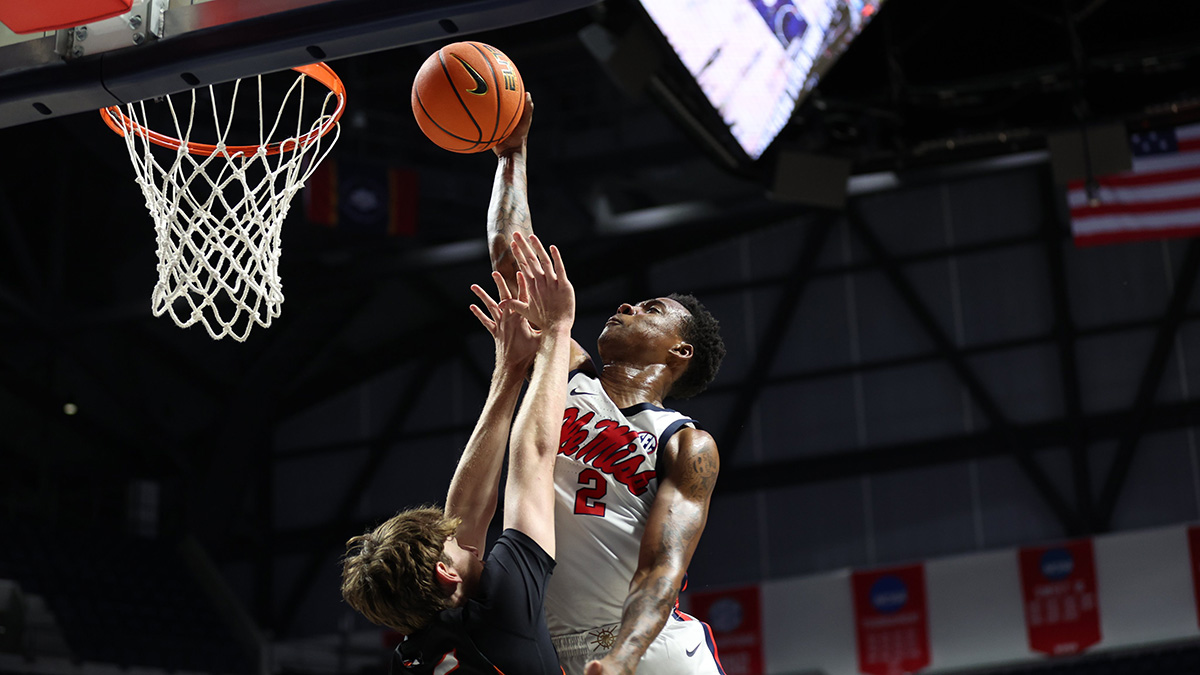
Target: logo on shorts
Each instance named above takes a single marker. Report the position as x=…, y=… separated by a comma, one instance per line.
x=603, y=638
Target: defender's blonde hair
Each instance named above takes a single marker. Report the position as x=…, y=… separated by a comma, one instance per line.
x=389, y=574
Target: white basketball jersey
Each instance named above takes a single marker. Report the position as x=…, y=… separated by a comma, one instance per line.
x=605, y=481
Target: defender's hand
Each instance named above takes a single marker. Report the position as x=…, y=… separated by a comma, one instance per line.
x=516, y=341
x=546, y=297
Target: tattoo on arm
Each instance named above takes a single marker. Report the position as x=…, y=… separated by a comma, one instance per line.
x=514, y=210
x=645, y=613
x=664, y=560
x=702, y=478
x=508, y=212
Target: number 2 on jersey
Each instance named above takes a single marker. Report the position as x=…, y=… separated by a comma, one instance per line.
x=594, y=488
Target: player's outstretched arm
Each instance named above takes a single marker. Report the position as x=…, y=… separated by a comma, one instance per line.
x=474, y=489
x=508, y=211
x=547, y=299
x=672, y=532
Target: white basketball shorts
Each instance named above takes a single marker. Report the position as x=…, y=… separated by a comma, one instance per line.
x=684, y=647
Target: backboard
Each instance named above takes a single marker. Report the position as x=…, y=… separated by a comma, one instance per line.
x=173, y=45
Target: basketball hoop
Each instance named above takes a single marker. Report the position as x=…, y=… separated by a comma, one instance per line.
x=218, y=209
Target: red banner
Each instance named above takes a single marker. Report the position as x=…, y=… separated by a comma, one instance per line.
x=1062, y=612
x=735, y=616
x=1194, y=547
x=890, y=619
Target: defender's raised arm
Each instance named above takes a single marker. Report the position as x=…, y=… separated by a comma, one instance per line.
x=547, y=298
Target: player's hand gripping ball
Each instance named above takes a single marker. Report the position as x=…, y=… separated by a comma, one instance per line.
x=467, y=97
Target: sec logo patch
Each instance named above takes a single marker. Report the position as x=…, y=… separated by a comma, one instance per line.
x=648, y=441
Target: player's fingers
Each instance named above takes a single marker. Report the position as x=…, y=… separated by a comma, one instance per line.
x=501, y=286
x=482, y=295
x=559, y=268
x=483, y=319
x=528, y=253
x=519, y=252
x=522, y=287
x=488, y=302
x=526, y=115
x=543, y=258
x=517, y=306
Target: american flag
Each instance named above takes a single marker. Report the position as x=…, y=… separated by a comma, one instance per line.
x=1158, y=198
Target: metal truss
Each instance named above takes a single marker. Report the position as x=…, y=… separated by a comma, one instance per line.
x=1080, y=516
x=1065, y=334
x=1148, y=386
x=764, y=355
x=1033, y=437
x=966, y=375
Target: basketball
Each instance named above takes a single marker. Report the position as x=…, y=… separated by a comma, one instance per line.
x=467, y=97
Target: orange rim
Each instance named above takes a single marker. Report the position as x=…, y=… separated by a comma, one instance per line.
x=123, y=124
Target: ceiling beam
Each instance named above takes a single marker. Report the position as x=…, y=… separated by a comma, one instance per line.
x=772, y=337
x=1054, y=235
x=979, y=393
x=1027, y=438
x=1152, y=374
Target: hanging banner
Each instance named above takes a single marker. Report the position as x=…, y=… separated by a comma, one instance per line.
x=1062, y=615
x=735, y=617
x=1194, y=547
x=891, y=621
x=363, y=198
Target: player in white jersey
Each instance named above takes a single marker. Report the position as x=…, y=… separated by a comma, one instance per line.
x=633, y=479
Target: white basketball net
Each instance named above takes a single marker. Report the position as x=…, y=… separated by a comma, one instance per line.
x=219, y=216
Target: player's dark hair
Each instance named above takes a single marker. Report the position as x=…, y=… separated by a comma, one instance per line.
x=703, y=332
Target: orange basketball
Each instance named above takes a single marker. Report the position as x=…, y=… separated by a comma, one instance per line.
x=467, y=97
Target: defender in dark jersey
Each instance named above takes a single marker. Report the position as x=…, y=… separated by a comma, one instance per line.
x=420, y=572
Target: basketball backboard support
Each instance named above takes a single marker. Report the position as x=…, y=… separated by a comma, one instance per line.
x=207, y=42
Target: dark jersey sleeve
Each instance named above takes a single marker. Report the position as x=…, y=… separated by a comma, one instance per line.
x=506, y=617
